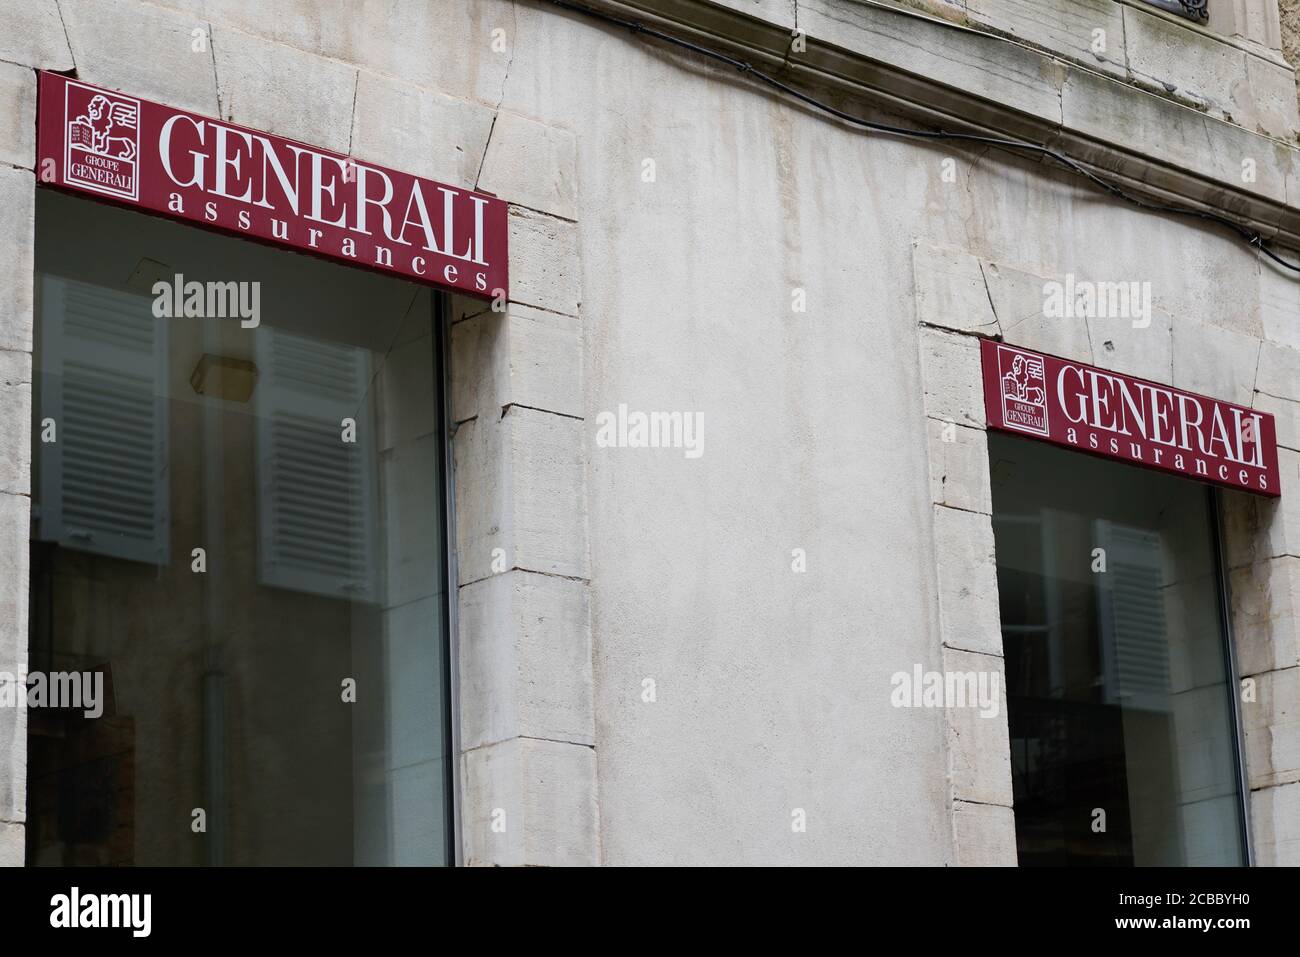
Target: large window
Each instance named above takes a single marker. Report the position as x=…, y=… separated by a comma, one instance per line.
x=1123, y=735
x=238, y=525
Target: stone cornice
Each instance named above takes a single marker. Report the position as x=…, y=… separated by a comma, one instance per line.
x=943, y=75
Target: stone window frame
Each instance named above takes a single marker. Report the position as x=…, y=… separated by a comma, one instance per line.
x=960, y=298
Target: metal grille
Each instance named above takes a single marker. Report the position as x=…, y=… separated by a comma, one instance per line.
x=1198, y=10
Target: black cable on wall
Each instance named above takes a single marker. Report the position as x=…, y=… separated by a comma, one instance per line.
x=1249, y=236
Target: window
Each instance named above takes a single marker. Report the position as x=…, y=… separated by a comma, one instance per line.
x=281, y=696
x=1119, y=691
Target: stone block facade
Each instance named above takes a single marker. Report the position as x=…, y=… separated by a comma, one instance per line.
x=579, y=576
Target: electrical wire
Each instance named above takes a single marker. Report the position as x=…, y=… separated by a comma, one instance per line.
x=1249, y=236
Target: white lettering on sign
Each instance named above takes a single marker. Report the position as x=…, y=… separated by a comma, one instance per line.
x=238, y=165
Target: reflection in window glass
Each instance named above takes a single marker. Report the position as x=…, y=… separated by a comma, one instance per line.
x=278, y=697
x=1117, y=680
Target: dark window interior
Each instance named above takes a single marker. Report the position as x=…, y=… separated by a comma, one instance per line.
x=1118, y=691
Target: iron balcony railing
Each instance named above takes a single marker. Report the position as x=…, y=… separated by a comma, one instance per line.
x=1191, y=9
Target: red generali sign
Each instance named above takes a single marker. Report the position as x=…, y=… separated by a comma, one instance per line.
x=242, y=181
x=1133, y=420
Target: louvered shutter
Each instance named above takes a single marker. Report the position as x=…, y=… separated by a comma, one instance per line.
x=1135, y=643
x=103, y=484
x=316, y=492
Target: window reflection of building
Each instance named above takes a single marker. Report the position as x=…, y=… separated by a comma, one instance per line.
x=324, y=560
x=1117, y=686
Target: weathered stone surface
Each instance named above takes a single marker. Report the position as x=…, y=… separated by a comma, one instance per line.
x=959, y=466
x=1104, y=108
x=967, y=581
x=13, y=764
x=525, y=660
x=1120, y=346
x=17, y=257
x=521, y=357
x=1279, y=313
x=541, y=795
x=531, y=164
x=1272, y=729
x=983, y=835
x=964, y=59
x=1275, y=823
x=547, y=457
x=483, y=499
x=398, y=38
x=1279, y=371
x=1062, y=26
x=16, y=414
x=15, y=529
x=1255, y=21
x=1272, y=107
x=479, y=348
x=1019, y=299
x=269, y=86
x=1193, y=67
x=951, y=378
x=1266, y=615
x=31, y=34
x=1213, y=361
x=951, y=291
x=948, y=9
x=773, y=11
x=418, y=130
x=17, y=116
x=1256, y=528
x=544, y=266
x=463, y=307
x=14, y=532
x=13, y=752
x=519, y=487
x=12, y=844
x=1243, y=539
x=145, y=51
x=1279, y=518
x=979, y=750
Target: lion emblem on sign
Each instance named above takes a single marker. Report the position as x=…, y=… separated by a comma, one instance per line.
x=107, y=129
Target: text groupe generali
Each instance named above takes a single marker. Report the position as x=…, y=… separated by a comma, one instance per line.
x=1169, y=426
x=243, y=168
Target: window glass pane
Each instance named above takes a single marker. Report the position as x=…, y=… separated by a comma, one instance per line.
x=280, y=696
x=1117, y=680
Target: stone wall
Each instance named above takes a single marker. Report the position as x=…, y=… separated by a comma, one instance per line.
x=1231, y=67
x=1289, y=11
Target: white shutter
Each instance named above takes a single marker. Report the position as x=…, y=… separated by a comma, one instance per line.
x=103, y=362
x=1135, y=643
x=316, y=493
